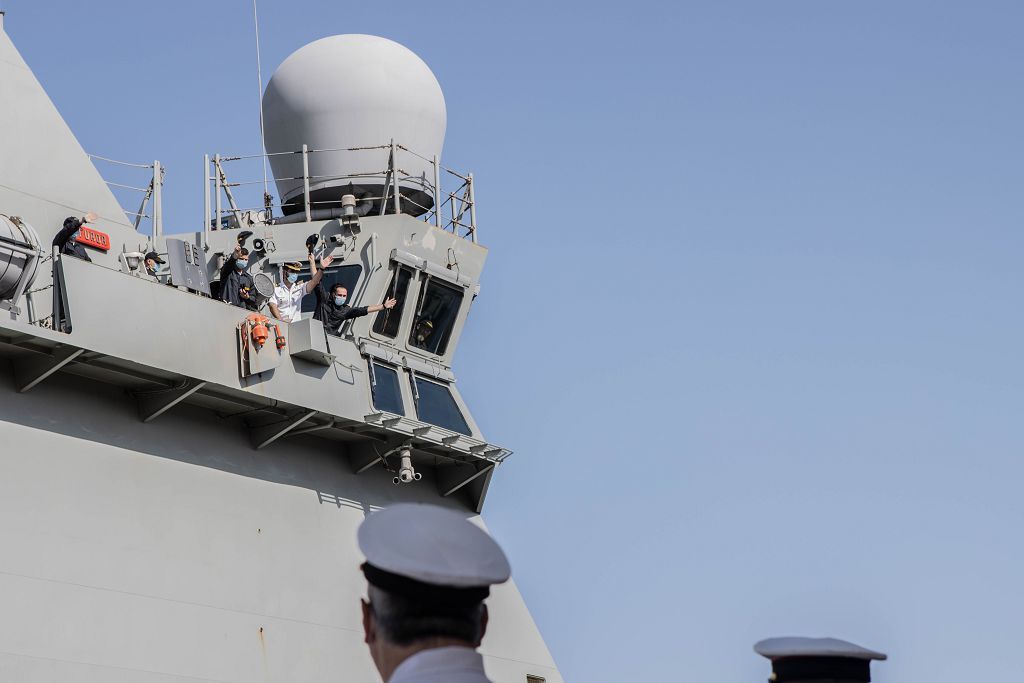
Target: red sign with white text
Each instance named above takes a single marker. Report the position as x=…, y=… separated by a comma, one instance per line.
x=91, y=237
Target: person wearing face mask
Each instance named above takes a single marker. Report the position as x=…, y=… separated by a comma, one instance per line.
x=152, y=259
x=67, y=238
x=237, y=289
x=332, y=307
x=286, y=304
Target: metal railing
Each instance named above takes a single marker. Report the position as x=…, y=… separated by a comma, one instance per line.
x=151, y=192
x=453, y=210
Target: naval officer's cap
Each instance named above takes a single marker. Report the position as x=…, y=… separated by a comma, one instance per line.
x=817, y=659
x=430, y=554
x=293, y=266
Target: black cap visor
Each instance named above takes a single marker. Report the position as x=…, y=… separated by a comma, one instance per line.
x=425, y=593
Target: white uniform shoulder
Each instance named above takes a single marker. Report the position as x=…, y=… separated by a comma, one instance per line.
x=442, y=665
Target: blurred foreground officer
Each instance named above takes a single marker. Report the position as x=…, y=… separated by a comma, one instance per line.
x=821, y=660
x=429, y=571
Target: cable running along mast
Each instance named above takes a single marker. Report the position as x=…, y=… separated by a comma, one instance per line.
x=267, y=199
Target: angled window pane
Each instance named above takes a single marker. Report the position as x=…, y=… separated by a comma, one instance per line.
x=435, y=316
x=387, y=394
x=437, y=406
x=389, y=319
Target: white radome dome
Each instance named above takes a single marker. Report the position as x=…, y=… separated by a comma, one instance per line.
x=353, y=91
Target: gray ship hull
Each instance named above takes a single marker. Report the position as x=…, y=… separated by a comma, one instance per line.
x=155, y=523
x=173, y=551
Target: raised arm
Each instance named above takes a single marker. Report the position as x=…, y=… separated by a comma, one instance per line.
x=70, y=225
x=317, y=274
x=229, y=263
x=390, y=303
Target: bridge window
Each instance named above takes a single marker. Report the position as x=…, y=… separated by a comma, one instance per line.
x=346, y=275
x=435, y=316
x=389, y=319
x=384, y=387
x=436, y=405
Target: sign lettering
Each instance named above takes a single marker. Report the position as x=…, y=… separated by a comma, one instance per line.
x=94, y=238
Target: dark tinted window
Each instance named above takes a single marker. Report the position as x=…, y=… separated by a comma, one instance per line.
x=387, y=395
x=437, y=406
x=389, y=319
x=435, y=316
x=346, y=275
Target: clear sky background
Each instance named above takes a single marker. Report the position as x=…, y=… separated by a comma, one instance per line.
x=752, y=314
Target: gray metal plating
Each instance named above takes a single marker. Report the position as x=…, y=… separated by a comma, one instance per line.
x=166, y=516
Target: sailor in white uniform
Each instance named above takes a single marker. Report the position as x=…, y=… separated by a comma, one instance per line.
x=821, y=660
x=429, y=570
x=286, y=303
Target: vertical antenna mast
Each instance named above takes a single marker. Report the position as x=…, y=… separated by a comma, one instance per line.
x=259, y=93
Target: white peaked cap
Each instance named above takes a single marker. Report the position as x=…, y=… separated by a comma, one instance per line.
x=431, y=545
x=799, y=660
x=796, y=646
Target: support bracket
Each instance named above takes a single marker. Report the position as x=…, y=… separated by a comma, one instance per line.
x=314, y=428
x=365, y=456
x=451, y=479
x=153, y=404
x=267, y=434
x=365, y=462
x=32, y=371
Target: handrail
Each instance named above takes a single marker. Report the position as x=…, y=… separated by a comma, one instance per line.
x=120, y=163
x=394, y=178
x=153, y=190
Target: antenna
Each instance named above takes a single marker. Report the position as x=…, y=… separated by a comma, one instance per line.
x=259, y=93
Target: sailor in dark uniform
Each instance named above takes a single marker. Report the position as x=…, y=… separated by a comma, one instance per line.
x=332, y=307
x=429, y=570
x=67, y=238
x=821, y=660
x=238, y=288
x=153, y=263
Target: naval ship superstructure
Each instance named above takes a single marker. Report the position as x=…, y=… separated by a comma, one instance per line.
x=180, y=481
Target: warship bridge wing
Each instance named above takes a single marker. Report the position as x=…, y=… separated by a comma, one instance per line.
x=168, y=347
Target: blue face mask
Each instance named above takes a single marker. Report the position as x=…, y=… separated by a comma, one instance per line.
x=75, y=234
x=241, y=264
x=293, y=277
x=340, y=300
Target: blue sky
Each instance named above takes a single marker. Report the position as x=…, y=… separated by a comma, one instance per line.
x=751, y=319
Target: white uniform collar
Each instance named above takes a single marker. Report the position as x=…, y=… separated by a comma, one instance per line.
x=439, y=660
